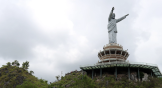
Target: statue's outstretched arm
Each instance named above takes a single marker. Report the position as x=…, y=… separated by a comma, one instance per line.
x=120, y=19
x=110, y=14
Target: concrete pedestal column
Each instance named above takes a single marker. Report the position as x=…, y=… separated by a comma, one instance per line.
x=138, y=74
x=82, y=74
x=129, y=73
x=151, y=74
x=92, y=73
x=116, y=72
x=100, y=72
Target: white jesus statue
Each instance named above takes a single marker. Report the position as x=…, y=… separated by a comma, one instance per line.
x=112, y=29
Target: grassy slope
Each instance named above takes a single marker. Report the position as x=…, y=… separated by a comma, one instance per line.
x=76, y=81
x=9, y=74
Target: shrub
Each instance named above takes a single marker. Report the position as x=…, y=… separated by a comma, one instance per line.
x=27, y=84
x=74, y=73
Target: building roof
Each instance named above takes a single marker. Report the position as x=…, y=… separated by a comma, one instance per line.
x=152, y=67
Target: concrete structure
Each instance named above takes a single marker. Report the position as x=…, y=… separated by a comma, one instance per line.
x=113, y=60
x=119, y=67
x=113, y=52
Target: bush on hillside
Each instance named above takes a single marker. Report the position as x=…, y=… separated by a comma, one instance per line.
x=27, y=84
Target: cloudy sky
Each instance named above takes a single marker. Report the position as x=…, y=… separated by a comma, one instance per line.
x=61, y=35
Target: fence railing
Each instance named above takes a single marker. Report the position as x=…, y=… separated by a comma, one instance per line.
x=120, y=62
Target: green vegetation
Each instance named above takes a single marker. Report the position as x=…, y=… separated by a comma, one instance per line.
x=125, y=83
x=13, y=76
x=76, y=81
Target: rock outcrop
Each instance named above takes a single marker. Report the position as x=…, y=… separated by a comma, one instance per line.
x=145, y=77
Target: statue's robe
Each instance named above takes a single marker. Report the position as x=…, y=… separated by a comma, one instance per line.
x=112, y=29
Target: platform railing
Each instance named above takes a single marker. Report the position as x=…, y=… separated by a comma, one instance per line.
x=119, y=62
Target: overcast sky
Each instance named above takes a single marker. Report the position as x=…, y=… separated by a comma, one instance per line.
x=61, y=35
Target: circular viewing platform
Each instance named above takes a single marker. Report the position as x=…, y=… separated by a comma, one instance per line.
x=113, y=52
x=144, y=67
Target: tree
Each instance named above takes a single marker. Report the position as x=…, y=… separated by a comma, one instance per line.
x=8, y=64
x=31, y=72
x=25, y=65
x=16, y=63
x=57, y=77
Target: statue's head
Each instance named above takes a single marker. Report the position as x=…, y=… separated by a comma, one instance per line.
x=113, y=16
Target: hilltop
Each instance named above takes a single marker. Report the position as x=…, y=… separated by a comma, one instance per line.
x=13, y=76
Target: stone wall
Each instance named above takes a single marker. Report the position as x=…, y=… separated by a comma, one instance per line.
x=145, y=78
x=133, y=76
